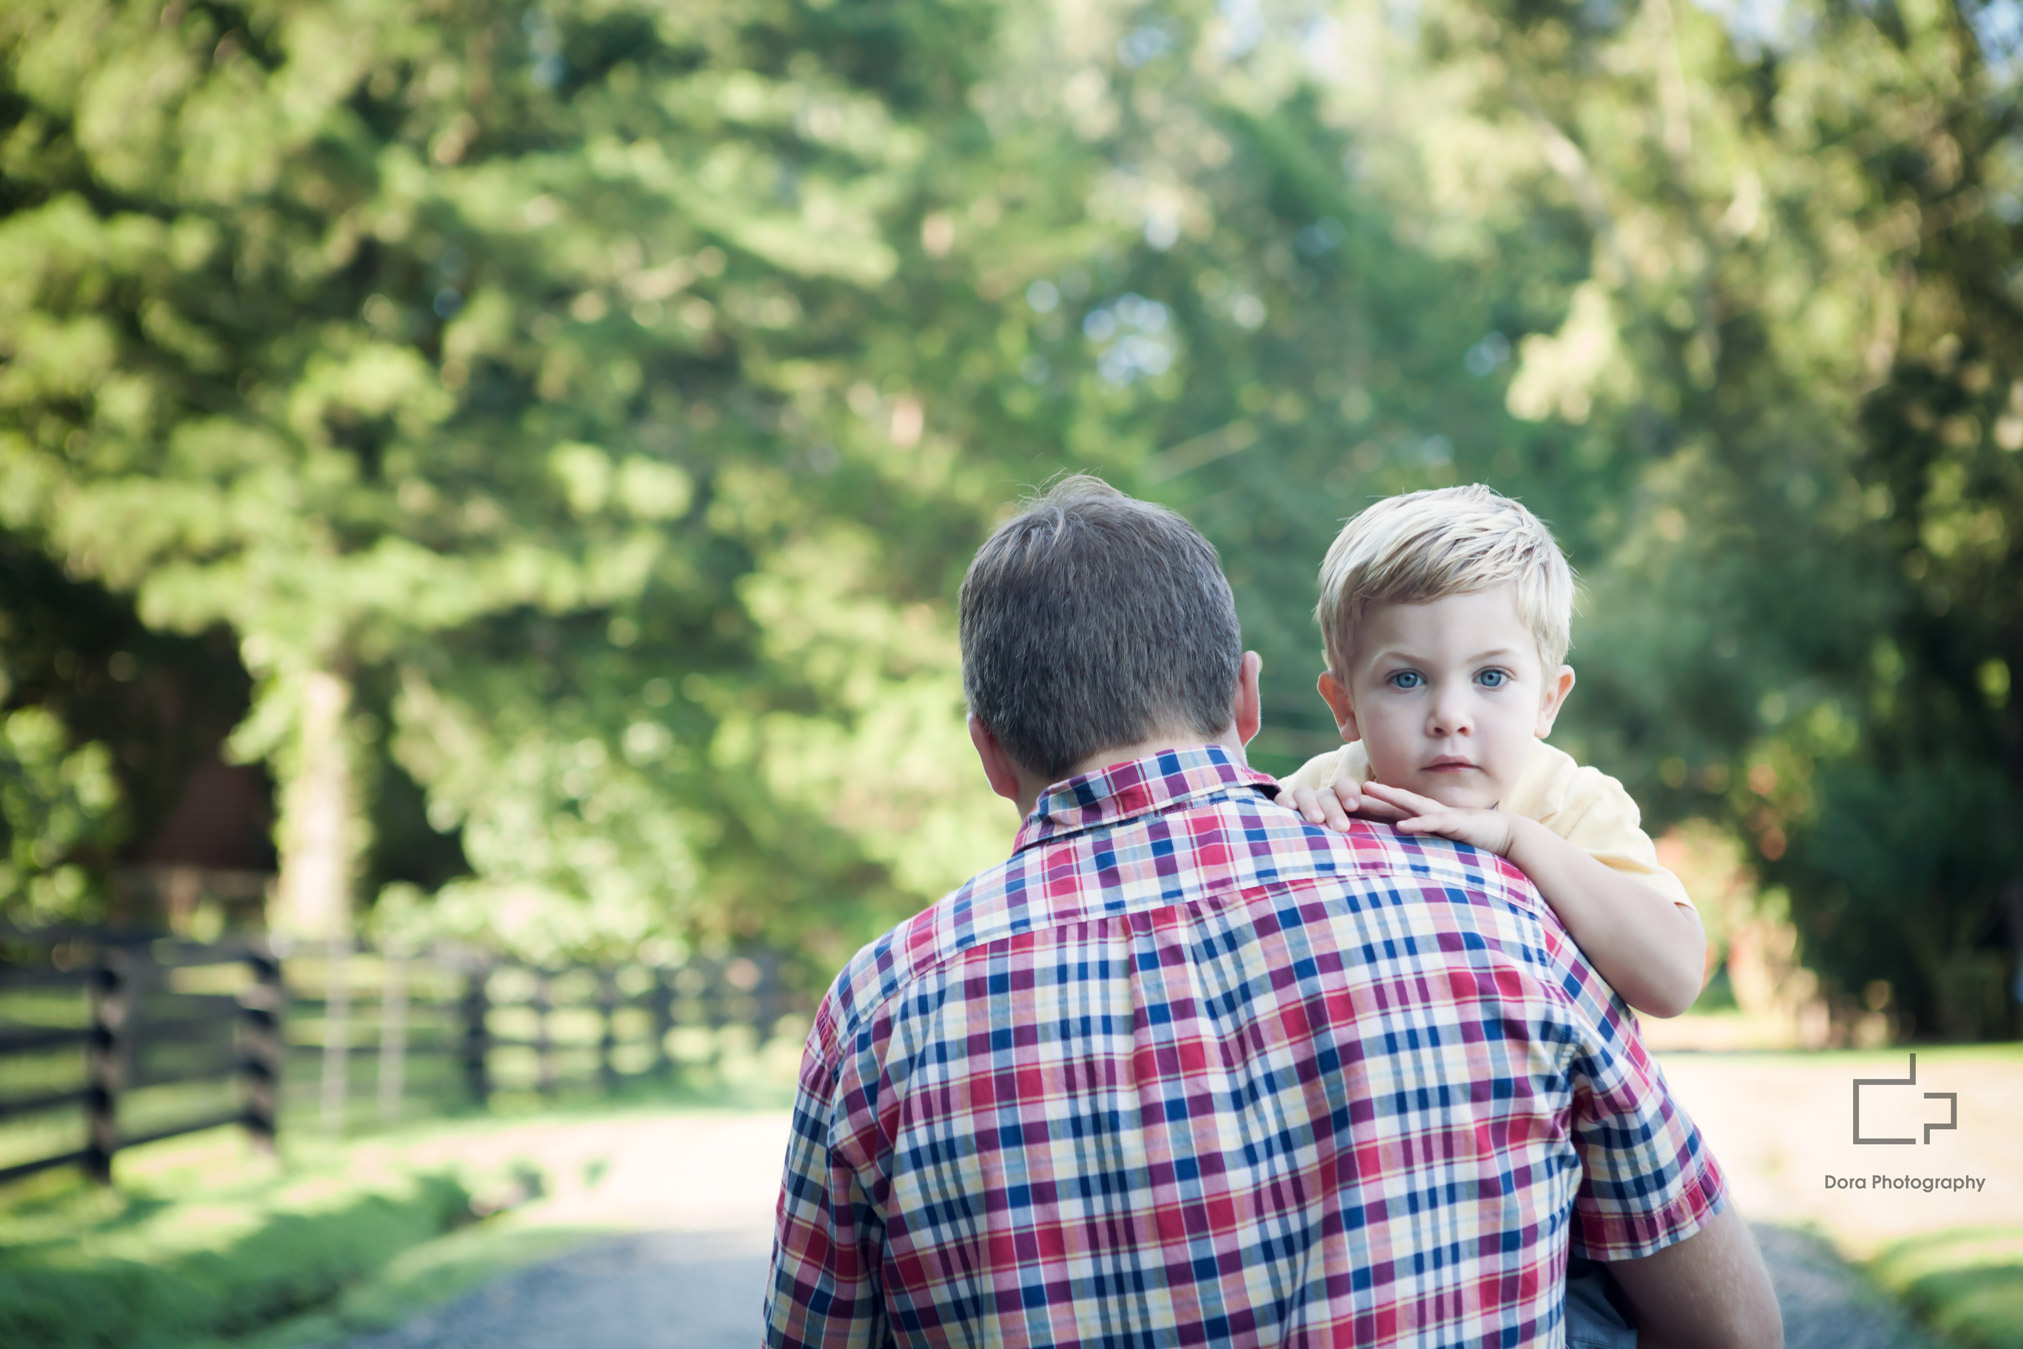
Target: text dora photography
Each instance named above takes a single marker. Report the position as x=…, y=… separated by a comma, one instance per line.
x=1920, y=1184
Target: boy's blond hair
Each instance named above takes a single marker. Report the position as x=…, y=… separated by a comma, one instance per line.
x=1450, y=541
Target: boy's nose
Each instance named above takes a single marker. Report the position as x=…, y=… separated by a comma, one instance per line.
x=1451, y=717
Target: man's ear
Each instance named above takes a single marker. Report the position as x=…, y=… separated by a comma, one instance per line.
x=1556, y=689
x=998, y=766
x=1336, y=695
x=1247, y=708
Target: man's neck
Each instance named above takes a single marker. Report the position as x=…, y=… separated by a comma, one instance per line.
x=1030, y=785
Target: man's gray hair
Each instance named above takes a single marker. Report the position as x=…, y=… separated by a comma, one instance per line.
x=1093, y=621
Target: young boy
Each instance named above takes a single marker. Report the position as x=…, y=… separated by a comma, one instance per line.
x=1445, y=615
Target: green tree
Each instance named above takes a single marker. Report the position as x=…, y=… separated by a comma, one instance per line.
x=1732, y=309
x=115, y=718
x=543, y=393
x=57, y=805
x=1799, y=334
x=580, y=414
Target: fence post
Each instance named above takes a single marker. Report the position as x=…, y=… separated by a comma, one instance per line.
x=544, y=1047
x=262, y=1060
x=392, y=1036
x=607, y=1043
x=718, y=994
x=477, y=1037
x=336, y=1032
x=770, y=1001
x=663, y=1022
x=106, y=1061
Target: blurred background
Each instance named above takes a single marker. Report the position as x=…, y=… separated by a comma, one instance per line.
x=499, y=473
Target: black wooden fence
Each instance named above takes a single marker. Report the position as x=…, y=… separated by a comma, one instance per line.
x=108, y=1041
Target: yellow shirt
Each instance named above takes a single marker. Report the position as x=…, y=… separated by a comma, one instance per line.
x=1584, y=806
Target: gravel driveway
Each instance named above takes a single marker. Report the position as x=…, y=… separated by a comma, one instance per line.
x=683, y=1290
x=650, y=1290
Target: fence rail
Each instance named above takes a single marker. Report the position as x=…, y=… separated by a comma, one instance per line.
x=109, y=1040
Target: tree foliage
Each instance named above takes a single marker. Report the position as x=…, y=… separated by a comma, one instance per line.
x=1802, y=317
x=606, y=396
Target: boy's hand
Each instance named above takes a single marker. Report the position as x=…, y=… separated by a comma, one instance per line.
x=1345, y=799
x=1490, y=830
x=1332, y=805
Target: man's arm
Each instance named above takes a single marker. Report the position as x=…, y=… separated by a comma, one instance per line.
x=822, y=1289
x=1710, y=1291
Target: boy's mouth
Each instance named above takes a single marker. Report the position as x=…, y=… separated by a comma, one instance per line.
x=1449, y=763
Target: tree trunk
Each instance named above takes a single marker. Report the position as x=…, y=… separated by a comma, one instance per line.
x=320, y=830
x=321, y=839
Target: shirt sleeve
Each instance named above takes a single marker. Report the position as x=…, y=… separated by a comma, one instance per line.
x=1317, y=772
x=1601, y=819
x=1648, y=1177
x=828, y=1239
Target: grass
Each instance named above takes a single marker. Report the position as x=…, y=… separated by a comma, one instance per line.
x=1967, y=1285
x=207, y=1252
x=205, y=1243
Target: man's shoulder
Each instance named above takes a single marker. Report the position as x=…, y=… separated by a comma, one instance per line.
x=1204, y=851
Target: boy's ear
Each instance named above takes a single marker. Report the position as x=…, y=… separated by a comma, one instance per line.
x=1336, y=695
x=1556, y=689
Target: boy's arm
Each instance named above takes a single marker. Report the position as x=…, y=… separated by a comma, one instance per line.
x=1651, y=950
x=1312, y=778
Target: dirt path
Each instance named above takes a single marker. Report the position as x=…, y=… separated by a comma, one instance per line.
x=653, y=1290
x=691, y=1291
x=1827, y=1305
x=691, y=1196
x=697, y=1193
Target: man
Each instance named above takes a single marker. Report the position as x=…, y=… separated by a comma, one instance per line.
x=1187, y=1070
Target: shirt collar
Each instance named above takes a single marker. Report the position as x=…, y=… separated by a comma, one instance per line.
x=1144, y=786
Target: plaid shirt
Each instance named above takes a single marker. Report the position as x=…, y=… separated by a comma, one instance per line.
x=1186, y=1070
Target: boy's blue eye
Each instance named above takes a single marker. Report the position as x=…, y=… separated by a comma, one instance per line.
x=1492, y=679
x=1407, y=679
